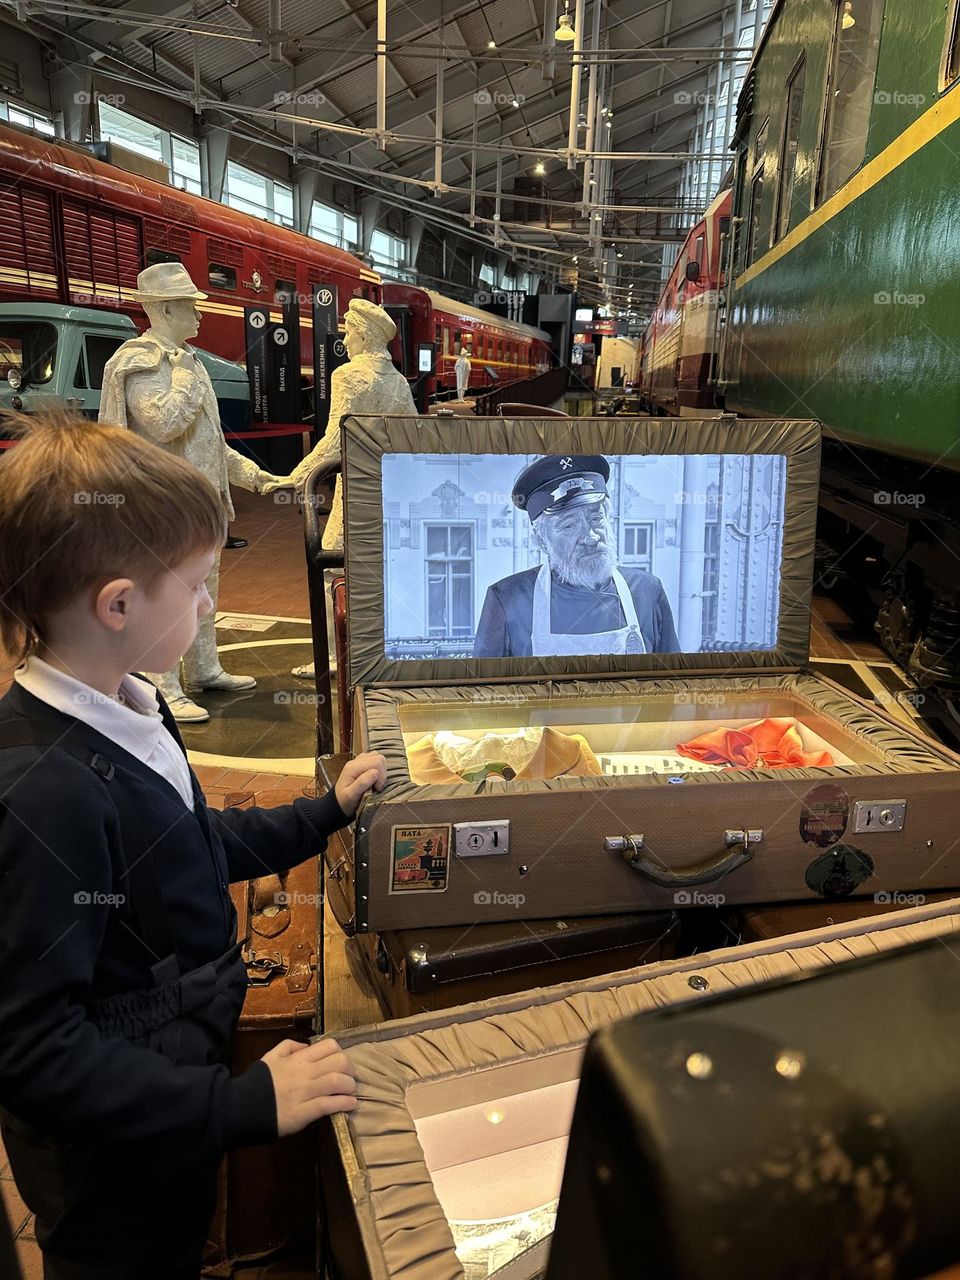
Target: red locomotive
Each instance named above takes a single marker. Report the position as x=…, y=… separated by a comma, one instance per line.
x=500, y=350
x=76, y=230
x=676, y=364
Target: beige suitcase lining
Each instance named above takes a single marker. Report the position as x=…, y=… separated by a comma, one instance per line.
x=530, y=1040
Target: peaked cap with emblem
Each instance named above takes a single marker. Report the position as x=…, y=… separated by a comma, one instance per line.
x=559, y=481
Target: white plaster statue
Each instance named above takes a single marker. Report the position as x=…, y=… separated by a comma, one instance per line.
x=462, y=369
x=155, y=385
x=368, y=383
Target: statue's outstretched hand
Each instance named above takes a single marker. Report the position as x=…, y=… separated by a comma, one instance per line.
x=268, y=483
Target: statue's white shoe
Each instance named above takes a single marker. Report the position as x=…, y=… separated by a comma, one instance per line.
x=226, y=683
x=305, y=673
x=184, y=711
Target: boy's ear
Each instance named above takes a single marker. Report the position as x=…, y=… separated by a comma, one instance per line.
x=112, y=604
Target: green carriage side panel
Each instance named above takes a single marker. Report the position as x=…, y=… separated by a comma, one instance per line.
x=858, y=323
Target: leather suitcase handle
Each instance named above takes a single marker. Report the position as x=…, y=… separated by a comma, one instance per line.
x=631, y=850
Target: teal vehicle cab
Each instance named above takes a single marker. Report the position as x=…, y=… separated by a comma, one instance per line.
x=51, y=353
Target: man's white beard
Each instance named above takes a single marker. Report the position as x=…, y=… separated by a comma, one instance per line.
x=583, y=570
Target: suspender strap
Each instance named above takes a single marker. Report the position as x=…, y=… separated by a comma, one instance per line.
x=138, y=869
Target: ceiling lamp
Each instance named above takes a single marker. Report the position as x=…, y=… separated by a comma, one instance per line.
x=540, y=167
x=565, y=31
x=515, y=102
x=848, y=20
x=491, y=44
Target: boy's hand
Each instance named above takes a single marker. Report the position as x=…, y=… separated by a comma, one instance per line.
x=310, y=1081
x=356, y=779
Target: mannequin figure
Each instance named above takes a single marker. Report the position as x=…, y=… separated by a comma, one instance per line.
x=463, y=369
x=368, y=383
x=155, y=385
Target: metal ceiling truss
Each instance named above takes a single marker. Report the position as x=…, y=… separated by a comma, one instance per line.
x=404, y=67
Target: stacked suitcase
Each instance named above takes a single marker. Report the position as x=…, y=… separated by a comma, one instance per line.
x=876, y=824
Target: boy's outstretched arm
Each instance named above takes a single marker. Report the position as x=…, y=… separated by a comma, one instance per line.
x=259, y=842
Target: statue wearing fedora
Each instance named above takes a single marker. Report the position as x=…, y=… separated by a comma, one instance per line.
x=155, y=385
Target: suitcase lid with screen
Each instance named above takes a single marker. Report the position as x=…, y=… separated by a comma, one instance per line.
x=488, y=549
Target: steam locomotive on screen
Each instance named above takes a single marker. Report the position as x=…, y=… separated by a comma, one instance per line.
x=837, y=297
x=76, y=230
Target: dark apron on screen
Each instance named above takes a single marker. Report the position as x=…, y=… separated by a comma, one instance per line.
x=124, y=1211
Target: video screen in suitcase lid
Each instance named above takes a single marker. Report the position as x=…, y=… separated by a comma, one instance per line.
x=551, y=554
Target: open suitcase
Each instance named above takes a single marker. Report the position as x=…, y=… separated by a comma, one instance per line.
x=412, y=971
x=416, y=970
x=451, y=1166
x=656, y=783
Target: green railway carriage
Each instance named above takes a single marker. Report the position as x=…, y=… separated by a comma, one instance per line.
x=843, y=297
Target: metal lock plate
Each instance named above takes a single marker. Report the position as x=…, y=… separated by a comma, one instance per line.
x=879, y=815
x=481, y=839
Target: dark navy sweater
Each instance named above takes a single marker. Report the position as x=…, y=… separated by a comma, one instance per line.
x=59, y=839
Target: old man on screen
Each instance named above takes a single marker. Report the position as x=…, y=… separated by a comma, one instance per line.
x=579, y=601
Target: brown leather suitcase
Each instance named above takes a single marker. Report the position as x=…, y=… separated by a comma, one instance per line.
x=759, y=924
x=418, y=970
x=415, y=970
x=267, y=1193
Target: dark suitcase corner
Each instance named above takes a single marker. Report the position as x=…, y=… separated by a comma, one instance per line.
x=417, y=970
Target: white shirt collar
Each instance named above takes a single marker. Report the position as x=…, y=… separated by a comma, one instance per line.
x=135, y=723
x=132, y=719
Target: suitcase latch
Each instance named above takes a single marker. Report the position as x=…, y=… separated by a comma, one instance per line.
x=629, y=847
x=299, y=967
x=753, y=836
x=262, y=965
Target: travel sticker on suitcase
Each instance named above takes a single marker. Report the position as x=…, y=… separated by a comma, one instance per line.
x=420, y=859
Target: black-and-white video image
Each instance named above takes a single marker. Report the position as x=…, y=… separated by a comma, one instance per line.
x=493, y=556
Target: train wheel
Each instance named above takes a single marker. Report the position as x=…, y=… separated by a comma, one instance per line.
x=896, y=623
x=935, y=659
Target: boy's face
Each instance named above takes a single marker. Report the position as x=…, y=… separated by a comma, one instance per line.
x=163, y=626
